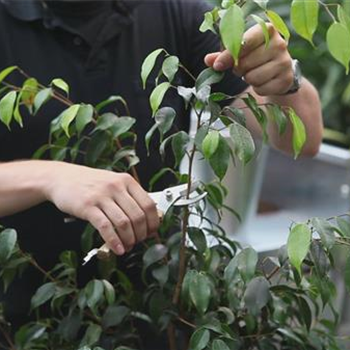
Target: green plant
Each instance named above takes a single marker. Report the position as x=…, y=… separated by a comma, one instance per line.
x=202, y=296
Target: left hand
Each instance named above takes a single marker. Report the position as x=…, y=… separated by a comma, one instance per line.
x=267, y=69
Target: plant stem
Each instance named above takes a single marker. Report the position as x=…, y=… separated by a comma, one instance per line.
x=171, y=336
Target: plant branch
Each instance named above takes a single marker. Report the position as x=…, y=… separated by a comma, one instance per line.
x=8, y=339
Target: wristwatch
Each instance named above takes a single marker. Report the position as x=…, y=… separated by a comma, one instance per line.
x=296, y=79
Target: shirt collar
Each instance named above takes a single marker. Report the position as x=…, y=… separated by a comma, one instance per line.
x=32, y=10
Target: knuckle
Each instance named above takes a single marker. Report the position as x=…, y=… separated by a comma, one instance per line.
x=123, y=224
x=139, y=218
x=103, y=225
x=280, y=44
x=150, y=206
x=127, y=178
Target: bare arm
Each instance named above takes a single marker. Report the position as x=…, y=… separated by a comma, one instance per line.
x=115, y=204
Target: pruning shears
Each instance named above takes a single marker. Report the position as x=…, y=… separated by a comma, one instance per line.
x=171, y=196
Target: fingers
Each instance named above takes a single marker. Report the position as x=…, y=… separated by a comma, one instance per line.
x=254, y=37
x=104, y=226
x=147, y=205
x=121, y=223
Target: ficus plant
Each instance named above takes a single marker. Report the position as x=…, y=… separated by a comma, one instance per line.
x=201, y=289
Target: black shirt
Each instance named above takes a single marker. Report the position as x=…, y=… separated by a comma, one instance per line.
x=99, y=52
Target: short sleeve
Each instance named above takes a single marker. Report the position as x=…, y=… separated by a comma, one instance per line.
x=200, y=44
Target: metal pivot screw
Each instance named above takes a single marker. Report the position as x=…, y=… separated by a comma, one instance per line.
x=168, y=195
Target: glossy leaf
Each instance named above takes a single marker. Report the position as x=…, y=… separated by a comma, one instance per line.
x=219, y=161
x=154, y=254
x=114, y=316
x=170, y=67
x=325, y=230
x=198, y=238
x=148, y=65
x=92, y=335
x=157, y=96
x=262, y=3
x=67, y=117
x=278, y=117
x=278, y=23
x=232, y=28
x=84, y=117
x=94, y=293
x=210, y=143
x=179, y=144
x=164, y=119
x=208, y=23
x=264, y=28
x=219, y=344
x=243, y=143
x=29, y=91
x=41, y=98
x=257, y=295
x=109, y=292
x=8, y=239
x=61, y=84
x=200, y=292
x=344, y=18
x=43, y=294
x=338, y=41
x=298, y=245
x=304, y=17
x=299, y=132
x=7, y=105
x=208, y=77
x=344, y=226
x=187, y=282
x=247, y=260
x=161, y=274
x=7, y=71
x=199, y=339
x=110, y=100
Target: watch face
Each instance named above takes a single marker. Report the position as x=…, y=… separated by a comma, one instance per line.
x=297, y=77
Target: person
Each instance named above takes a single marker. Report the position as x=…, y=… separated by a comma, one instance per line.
x=98, y=47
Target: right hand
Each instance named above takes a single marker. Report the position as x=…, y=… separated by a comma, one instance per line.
x=114, y=203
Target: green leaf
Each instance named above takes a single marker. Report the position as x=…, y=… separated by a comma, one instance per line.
x=164, y=119
x=257, y=295
x=343, y=17
x=210, y=144
x=230, y=270
x=148, y=65
x=7, y=71
x=187, y=282
x=92, y=335
x=219, y=344
x=338, y=40
x=67, y=117
x=8, y=239
x=114, y=316
x=157, y=96
x=161, y=274
x=109, y=292
x=29, y=91
x=200, y=292
x=16, y=113
x=347, y=274
x=61, y=84
x=170, y=67
x=207, y=77
x=84, y=117
x=344, y=226
x=232, y=28
x=198, y=238
x=262, y=3
x=179, y=144
x=7, y=105
x=97, y=145
x=304, y=18
x=148, y=137
x=247, y=260
x=279, y=24
x=243, y=143
x=111, y=100
x=219, y=161
x=94, y=293
x=305, y=312
x=43, y=294
x=325, y=230
x=299, y=132
x=277, y=115
x=298, y=245
x=264, y=28
x=208, y=23
x=41, y=98
x=199, y=339
x=154, y=254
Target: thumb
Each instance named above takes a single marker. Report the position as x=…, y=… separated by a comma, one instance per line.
x=211, y=58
